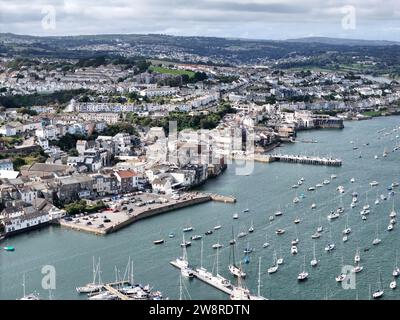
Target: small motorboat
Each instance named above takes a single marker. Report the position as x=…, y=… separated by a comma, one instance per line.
x=330, y=247
x=171, y=235
x=217, y=246
x=280, y=231
x=9, y=248
x=196, y=237
x=340, y=278
x=186, y=244
x=235, y=216
x=294, y=250
x=209, y=232
x=160, y=241
x=302, y=276
x=358, y=269
x=217, y=227
x=313, y=206
x=316, y=235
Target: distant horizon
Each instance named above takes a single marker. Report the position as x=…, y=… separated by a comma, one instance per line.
x=196, y=36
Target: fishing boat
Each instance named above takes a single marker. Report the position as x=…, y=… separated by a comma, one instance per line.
x=303, y=275
x=314, y=261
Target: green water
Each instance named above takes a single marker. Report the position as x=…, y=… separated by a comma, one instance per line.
x=269, y=186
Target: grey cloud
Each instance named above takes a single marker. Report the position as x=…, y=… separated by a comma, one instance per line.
x=274, y=19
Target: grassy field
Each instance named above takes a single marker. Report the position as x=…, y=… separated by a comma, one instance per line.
x=172, y=71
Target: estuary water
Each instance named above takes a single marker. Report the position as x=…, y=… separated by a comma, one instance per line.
x=263, y=192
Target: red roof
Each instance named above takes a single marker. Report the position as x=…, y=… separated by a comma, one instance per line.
x=125, y=174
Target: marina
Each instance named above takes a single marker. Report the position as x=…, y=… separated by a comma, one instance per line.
x=263, y=192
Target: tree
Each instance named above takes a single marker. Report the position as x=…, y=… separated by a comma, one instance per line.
x=18, y=163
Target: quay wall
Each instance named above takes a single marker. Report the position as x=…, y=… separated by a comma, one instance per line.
x=156, y=211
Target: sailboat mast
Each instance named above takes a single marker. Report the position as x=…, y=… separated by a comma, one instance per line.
x=201, y=254
x=180, y=286
x=217, y=260
x=259, y=277
x=23, y=284
x=94, y=271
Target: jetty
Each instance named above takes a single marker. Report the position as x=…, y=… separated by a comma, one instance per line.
x=323, y=161
x=221, y=198
x=227, y=290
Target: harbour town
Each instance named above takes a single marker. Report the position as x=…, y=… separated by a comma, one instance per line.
x=215, y=223
x=160, y=167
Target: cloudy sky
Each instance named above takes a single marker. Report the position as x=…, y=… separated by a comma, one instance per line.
x=262, y=19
